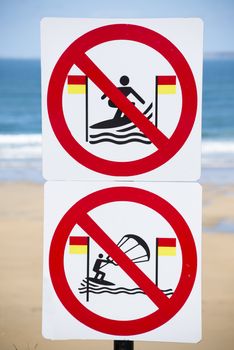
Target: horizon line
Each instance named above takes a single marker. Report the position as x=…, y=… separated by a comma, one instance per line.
x=207, y=54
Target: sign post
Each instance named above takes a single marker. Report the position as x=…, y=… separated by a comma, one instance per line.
x=123, y=345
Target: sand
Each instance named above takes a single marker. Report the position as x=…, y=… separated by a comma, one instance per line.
x=21, y=215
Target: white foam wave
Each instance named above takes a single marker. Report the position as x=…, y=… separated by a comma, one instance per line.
x=217, y=147
x=20, y=139
x=24, y=146
x=218, y=154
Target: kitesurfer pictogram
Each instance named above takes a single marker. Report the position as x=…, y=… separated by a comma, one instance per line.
x=138, y=251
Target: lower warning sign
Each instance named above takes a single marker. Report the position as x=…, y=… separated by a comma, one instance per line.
x=122, y=262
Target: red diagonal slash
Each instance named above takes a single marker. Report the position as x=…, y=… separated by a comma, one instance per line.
x=108, y=88
x=102, y=239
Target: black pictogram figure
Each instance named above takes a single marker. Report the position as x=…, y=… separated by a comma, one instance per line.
x=119, y=118
x=98, y=265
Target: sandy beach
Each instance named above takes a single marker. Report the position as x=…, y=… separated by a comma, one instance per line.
x=21, y=215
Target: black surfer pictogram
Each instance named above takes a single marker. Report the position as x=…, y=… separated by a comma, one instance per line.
x=113, y=129
x=119, y=118
x=102, y=282
x=112, y=125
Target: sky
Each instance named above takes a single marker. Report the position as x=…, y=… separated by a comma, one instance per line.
x=20, y=19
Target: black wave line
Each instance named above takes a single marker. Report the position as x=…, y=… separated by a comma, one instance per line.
x=169, y=293
x=118, y=136
x=95, y=285
x=133, y=126
x=111, y=290
x=119, y=142
x=122, y=288
x=119, y=288
x=116, y=292
x=97, y=291
x=166, y=290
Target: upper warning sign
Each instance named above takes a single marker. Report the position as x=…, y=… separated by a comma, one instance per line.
x=121, y=98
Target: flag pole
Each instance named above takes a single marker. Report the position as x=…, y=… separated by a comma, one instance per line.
x=86, y=110
x=87, y=273
x=156, y=101
x=156, y=263
x=123, y=345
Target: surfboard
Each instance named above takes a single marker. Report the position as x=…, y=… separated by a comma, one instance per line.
x=102, y=282
x=111, y=123
x=116, y=122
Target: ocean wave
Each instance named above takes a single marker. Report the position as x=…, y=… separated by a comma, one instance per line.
x=23, y=146
x=20, y=138
x=218, y=154
x=217, y=146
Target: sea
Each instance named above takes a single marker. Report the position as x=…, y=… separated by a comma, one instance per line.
x=20, y=120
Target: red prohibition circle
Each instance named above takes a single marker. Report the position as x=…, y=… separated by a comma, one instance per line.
x=76, y=54
x=168, y=306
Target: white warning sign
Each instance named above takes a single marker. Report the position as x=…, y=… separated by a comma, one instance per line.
x=122, y=261
x=121, y=99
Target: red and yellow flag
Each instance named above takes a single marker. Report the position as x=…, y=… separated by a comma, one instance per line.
x=166, y=246
x=78, y=245
x=166, y=84
x=77, y=84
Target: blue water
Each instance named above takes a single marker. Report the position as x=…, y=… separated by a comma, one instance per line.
x=218, y=100
x=20, y=120
x=20, y=106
